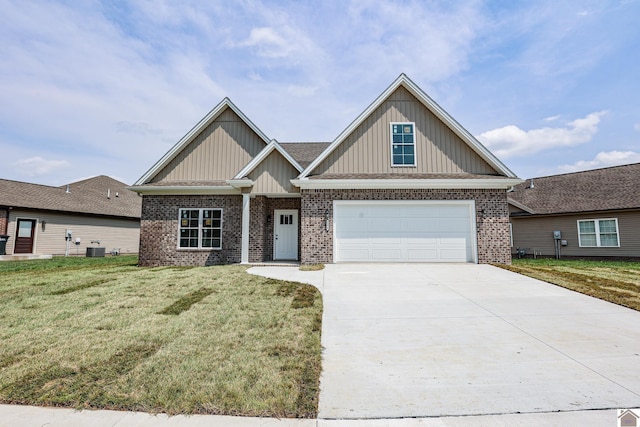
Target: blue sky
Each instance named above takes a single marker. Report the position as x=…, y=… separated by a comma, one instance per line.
x=90, y=87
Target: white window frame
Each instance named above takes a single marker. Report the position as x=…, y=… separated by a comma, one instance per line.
x=200, y=228
x=596, y=222
x=391, y=125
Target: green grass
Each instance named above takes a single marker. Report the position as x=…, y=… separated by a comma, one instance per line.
x=88, y=334
x=311, y=267
x=613, y=281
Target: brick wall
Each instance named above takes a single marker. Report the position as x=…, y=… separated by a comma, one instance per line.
x=4, y=220
x=492, y=219
x=159, y=230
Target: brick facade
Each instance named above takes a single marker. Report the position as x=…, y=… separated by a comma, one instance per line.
x=159, y=231
x=4, y=220
x=492, y=219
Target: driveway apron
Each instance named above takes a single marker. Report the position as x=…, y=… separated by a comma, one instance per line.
x=424, y=340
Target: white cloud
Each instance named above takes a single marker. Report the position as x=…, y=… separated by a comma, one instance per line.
x=602, y=160
x=34, y=166
x=512, y=141
x=551, y=118
x=269, y=43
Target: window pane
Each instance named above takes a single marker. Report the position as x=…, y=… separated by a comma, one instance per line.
x=407, y=139
x=397, y=138
x=397, y=160
x=206, y=233
x=408, y=149
x=407, y=128
x=193, y=243
x=215, y=243
x=206, y=243
x=184, y=243
x=608, y=240
x=217, y=233
x=607, y=226
x=588, y=239
x=408, y=160
x=587, y=226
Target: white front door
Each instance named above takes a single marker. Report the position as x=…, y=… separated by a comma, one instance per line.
x=285, y=234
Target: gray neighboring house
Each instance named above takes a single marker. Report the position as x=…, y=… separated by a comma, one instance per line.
x=596, y=211
x=404, y=182
x=36, y=217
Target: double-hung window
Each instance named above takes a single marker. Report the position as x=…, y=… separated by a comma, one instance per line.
x=403, y=144
x=598, y=233
x=200, y=229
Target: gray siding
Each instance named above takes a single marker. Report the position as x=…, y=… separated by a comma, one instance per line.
x=273, y=175
x=536, y=234
x=113, y=233
x=438, y=148
x=217, y=153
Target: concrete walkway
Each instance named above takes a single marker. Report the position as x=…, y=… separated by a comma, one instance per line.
x=433, y=340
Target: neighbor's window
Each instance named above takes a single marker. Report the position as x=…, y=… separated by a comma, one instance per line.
x=403, y=144
x=200, y=229
x=598, y=232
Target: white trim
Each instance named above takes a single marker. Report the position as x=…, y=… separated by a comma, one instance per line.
x=184, y=189
x=246, y=220
x=391, y=183
x=195, y=131
x=404, y=81
x=415, y=156
x=472, y=217
x=200, y=228
x=273, y=145
x=519, y=205
x=240, y=183
x=596, y=222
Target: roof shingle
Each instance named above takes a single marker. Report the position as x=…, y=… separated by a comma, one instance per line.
x=610, y=188
x=88, y=196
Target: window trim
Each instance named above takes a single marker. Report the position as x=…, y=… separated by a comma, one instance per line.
x=596, y=222
x=200, y=228
x=415, y=157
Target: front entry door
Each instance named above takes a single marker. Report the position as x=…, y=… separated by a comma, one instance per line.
x=285, y=234
x=26, y=229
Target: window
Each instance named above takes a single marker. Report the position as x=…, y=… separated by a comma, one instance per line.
x=200, y=229
x=598, y=233
x=403, y=144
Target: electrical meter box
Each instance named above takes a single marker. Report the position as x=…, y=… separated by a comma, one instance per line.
x=557, y=235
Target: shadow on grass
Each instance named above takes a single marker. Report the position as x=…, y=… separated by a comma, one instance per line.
x=185, y=303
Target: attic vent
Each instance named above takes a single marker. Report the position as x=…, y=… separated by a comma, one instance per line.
x=68, y=190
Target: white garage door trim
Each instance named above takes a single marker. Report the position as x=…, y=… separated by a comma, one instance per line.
x=468, y=204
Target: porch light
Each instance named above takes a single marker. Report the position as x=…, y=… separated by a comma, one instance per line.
x=326, y=220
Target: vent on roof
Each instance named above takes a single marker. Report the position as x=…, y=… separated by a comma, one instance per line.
x=531, y=184
x=68, y=190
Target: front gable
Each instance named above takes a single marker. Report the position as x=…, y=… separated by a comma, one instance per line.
x=438, y=150
x=273, y=175
x=216, y=153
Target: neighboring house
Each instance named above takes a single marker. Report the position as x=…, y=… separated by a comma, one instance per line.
x=404, y=182
x=597, y=213
x=37, y=217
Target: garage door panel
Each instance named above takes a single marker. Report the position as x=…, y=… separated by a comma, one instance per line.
x=416, y=232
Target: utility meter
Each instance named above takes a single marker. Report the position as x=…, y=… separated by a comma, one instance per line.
x=67, y=234
x=557, y=235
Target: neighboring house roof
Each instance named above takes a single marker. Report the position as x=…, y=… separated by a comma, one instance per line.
x=304, y=152
x=612, y=188
x=100, y=195
x=433, y=107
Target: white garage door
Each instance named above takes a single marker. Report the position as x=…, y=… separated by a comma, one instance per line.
x=396, y=231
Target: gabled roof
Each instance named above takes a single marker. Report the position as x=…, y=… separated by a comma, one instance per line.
x=612, y=188
x=430, y=104
x=96, y=196
x=194, y=132
x=273, y=145
x=304, y=152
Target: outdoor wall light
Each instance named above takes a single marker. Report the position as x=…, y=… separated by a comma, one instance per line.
x=326, y=220
x=44, y=224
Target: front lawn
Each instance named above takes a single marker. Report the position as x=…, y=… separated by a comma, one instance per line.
x=108, y=334
x=613, y=281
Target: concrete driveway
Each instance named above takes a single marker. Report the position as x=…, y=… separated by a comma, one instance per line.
x=426, y=340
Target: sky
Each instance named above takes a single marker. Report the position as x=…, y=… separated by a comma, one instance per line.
x=108, y=87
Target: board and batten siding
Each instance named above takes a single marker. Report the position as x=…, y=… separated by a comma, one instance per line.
x=114, y=233
x=217, y=153
x=273, y=175
x=536, y=234
x=438, y=149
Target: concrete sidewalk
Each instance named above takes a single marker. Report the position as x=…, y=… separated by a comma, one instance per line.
x=438, y=340
x=31, y=416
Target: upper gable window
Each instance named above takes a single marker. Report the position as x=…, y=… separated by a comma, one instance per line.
x=403, y=144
